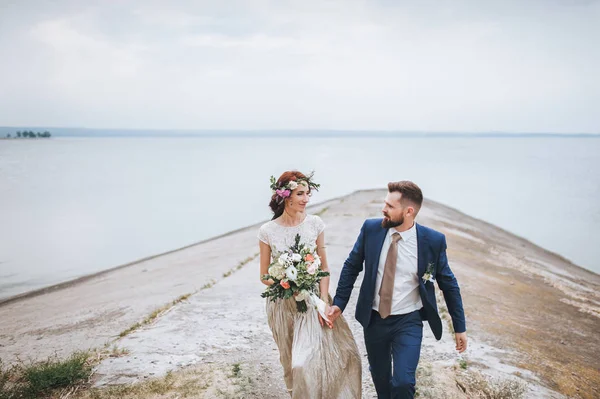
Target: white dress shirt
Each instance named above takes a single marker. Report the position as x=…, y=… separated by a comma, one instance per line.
x=405, y=298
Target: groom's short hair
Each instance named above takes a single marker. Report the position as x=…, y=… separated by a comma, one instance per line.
x=411, y=193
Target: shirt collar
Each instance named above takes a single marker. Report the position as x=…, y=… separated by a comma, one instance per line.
x=406, y=235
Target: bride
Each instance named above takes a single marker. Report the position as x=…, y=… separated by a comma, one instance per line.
x=319, y=361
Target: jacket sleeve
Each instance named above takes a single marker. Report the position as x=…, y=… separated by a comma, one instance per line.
x=449, y=286
x=352, y=267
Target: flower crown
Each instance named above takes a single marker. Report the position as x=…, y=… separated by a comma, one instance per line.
x=285, y=191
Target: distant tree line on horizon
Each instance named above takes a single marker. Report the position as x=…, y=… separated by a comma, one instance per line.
x=30, y=134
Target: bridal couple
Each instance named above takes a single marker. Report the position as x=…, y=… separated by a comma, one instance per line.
x=400, y=258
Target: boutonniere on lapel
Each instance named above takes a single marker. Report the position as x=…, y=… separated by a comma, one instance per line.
x=429, y=272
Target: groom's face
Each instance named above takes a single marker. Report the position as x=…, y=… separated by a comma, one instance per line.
x=393, y=211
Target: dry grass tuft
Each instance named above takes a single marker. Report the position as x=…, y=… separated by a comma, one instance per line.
x=480, y=386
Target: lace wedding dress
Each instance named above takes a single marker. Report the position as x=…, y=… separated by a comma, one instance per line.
x=318, y=362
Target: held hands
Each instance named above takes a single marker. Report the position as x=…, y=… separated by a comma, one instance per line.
x=321, y=319
x=461, y=342
x=333, y=312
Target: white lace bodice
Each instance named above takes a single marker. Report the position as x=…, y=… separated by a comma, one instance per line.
x=280, y=238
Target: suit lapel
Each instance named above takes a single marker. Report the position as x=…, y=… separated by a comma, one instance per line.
x=422, y=250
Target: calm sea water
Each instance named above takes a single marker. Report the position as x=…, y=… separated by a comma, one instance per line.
x=73, y=206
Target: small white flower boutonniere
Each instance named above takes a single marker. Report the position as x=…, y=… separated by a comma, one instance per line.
x=429, y=272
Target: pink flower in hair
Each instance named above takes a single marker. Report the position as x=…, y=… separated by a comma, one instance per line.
x=283, y=193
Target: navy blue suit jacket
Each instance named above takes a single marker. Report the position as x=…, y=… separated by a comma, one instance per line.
x=431, y=250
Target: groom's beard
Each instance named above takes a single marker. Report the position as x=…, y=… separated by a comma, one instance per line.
x=388, y=223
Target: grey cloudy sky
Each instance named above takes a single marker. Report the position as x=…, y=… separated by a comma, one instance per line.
x=518, y=66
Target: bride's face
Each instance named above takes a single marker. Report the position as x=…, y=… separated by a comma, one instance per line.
x=299, y=198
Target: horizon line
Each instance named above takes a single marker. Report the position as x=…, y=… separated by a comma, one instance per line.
x=275, y=131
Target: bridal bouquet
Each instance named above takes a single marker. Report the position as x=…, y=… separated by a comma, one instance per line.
x=296, y=273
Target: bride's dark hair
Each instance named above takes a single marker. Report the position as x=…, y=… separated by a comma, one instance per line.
x=277, y=203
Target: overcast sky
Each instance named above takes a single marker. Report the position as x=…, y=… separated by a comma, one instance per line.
x=456, y=65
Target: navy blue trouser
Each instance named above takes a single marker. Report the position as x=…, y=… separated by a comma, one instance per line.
x=394, y=340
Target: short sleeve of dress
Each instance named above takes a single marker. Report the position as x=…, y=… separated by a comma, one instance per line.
x=263, y=235
x=319, y=225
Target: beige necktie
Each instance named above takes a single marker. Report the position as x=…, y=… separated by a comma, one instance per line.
x=389, y=273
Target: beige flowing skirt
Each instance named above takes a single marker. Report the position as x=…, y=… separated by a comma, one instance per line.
x=318, y=362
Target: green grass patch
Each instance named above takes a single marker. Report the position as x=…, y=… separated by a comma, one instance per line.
x=44, y=378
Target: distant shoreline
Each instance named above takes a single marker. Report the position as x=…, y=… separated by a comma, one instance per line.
x=285, y=133
x=26, y=138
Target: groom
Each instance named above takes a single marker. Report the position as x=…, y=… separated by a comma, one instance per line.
x=401, y=261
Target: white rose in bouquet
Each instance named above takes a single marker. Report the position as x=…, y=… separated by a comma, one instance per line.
x=291, y=273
